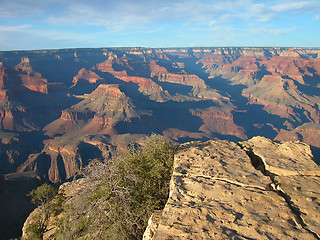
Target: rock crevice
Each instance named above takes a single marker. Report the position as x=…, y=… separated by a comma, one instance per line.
x=275, y=185
x=239, y=184
x=256, y=189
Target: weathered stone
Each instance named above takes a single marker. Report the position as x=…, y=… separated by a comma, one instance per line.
x=216, y=193
x=291, y=167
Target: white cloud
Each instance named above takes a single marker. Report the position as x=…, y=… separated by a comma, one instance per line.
x=290, y=6
x=123, y=14
x=18, y=28
x=70, y=19
x=26, y=37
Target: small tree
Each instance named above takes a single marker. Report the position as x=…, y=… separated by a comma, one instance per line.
x=42, y=196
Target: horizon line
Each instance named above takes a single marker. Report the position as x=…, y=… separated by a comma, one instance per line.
x=140, y=47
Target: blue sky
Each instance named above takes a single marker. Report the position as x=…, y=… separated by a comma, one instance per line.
x=50, y=24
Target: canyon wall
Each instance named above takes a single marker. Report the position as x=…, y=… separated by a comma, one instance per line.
x=58, y=98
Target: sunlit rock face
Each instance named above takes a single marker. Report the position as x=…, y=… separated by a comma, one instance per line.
x=255, y=189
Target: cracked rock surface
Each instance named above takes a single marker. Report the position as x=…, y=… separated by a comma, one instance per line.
x=256, y=189
x=290, y=167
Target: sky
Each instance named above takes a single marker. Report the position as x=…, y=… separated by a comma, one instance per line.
x=56, y=24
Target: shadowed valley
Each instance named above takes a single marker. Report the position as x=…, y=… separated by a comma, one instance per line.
x=59, y=109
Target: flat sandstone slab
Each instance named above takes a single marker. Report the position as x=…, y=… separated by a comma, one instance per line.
x=291, y=166
x=216, y=193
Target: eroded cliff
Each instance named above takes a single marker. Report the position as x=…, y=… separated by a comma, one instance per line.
x=184, y=93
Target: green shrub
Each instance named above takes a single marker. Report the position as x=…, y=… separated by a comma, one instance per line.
x=42, y=194
x=121, y=194
x=146, y=173
x=49, y=202
x=133, y=186
x=128, y=190
x=34, y=231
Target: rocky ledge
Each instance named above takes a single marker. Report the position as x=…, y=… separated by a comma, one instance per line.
x=256, y=189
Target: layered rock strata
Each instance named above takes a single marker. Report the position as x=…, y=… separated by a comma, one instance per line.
x=31, y=79
x=87, y=75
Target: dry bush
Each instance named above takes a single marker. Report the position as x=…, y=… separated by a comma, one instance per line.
x=126, y=191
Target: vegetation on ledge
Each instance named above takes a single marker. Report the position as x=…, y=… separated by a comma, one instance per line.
x=120, y=194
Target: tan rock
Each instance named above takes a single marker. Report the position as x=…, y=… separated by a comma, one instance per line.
x=291, y=166
x=216, y=193
x=284, y=158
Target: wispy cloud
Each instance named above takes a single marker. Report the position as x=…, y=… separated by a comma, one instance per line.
x=122, y=13
x=51, y=34
x=297, y=7
x=19, y=28
x=24, y=37
x=69, y=20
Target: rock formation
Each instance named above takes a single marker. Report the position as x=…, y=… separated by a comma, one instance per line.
x=257, y=189
x=146, y=85
x=308, y=133
x=13, y=115
x=31, y=79
x=87, y=75
x=61, y=108
x=195, y=93
x=273, y=79
x=86, y=128
x=254, y=189
x=98, y=112
x=1, y=74
x=280, y=96
x=220, y=122
x=63, y=158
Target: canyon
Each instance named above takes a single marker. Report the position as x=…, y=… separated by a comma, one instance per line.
x=59, y=109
